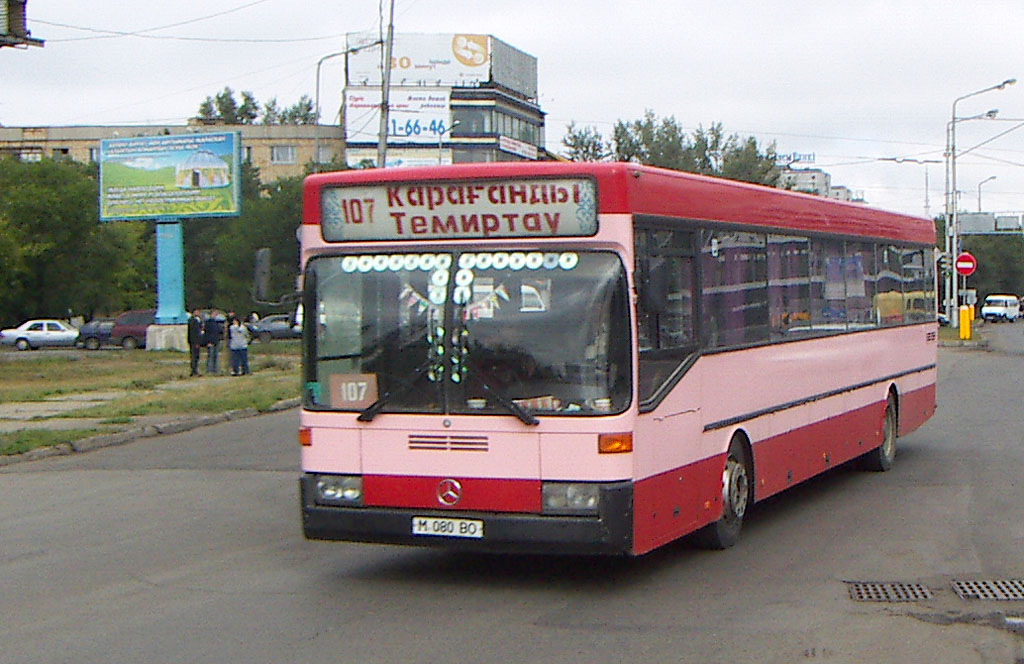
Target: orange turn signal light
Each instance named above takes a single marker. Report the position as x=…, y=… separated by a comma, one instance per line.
x=614, y=443
x=305, y=437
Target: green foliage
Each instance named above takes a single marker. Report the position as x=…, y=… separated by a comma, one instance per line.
x=585, y=144
x=219, y=253
x=223, y=107
x=1000, y=263
x=57, y=259
x=666, y=144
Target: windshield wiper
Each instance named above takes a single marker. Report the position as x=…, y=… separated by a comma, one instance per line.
x=371, y=411
x=516, y=409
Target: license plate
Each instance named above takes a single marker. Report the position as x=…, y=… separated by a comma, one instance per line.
x=441, y=527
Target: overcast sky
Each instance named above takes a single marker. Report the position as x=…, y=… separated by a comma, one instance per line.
x=851, y=82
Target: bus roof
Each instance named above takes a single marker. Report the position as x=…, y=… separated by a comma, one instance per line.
x=658, y=192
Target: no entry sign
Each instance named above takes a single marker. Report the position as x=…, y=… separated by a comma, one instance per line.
x=966, y=264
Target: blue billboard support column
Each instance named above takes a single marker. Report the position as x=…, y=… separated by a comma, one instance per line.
x=171, y=318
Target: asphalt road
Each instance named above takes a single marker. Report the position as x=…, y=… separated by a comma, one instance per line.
x=188, y=548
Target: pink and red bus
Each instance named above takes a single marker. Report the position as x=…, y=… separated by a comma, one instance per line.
x=595, y=357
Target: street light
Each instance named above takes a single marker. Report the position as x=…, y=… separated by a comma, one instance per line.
x=952, y=219
x=988, y=179
x=316, y=119
x=441, y=134
x=911, y=160
x=316, y=122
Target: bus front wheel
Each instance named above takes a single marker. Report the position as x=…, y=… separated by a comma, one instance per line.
x=736, y=498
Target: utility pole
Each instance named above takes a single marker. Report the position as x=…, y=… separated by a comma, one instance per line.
x=382, y=140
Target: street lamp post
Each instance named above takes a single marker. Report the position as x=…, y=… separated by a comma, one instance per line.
x=952, y=220
x=988, y=179
x=911, y=160
x=316, y=123
x=441, y=134
x=316, y=119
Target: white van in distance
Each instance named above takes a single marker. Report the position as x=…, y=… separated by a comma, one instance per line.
x=1001, y=307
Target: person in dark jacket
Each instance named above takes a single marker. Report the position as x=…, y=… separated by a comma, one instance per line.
x=213, y=331
x=195, y=341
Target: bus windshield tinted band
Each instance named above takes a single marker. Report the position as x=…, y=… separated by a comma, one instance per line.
x=495, y=332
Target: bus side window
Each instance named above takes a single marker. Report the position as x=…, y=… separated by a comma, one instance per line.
x=665, y=322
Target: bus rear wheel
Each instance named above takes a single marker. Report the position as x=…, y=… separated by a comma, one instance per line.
x=882, y=457
x=736, y=498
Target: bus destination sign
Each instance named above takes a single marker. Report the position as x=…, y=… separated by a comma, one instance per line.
x=460, y=210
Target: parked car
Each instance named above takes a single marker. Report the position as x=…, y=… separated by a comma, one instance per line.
x=129, y=329
x=34, y=334
x=1000, y=307
x=95, y=333
x=274, y=326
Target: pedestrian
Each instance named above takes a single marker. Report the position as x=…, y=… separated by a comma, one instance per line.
x=195, y=341
x=213, y=329
x=238, y=343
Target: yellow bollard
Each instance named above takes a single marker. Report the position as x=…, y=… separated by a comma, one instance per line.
x=965, y=323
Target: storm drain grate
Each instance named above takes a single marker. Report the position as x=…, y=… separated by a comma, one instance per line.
x=1003, y=589
x=870, y=591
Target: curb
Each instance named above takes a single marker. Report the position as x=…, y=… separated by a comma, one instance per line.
x=128, y=435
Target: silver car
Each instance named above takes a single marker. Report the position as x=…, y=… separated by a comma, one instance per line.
x=34, y=334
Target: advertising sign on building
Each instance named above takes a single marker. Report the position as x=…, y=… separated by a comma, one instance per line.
x=422, y=59
x=363, y=157
x=416, y=115
x=152, y=177
x=516, y=147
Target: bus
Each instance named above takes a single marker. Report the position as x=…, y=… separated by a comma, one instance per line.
x=594, y=358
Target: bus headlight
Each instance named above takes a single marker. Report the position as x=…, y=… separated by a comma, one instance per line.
x=570, y=497
x=344, y=490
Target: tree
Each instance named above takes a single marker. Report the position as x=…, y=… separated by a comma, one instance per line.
x=663, y=142
x=585, y=144
x=271, y=113
x=300, y=113
x=223, y=107
x=58, y=259
x=1000, y=264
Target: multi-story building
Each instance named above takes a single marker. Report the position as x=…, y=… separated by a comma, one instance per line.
x=818, y=182
x=278, y=150
x=453, y=98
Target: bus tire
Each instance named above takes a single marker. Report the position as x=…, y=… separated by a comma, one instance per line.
x=882, y=457
x=737, y=496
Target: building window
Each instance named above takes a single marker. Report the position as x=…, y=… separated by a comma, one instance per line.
x=282, y=154
x=31, y=154
x=471, y=122
x=324, y=154
x=248, y=153
x=94, y=155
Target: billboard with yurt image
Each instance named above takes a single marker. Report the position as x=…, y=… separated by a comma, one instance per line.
x=181, y=176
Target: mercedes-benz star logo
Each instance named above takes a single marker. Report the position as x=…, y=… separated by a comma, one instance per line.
x=448, y=492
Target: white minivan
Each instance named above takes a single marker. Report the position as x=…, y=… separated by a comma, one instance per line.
x=1000, y=307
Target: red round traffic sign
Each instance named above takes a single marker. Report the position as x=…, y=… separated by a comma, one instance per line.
x=966, y=264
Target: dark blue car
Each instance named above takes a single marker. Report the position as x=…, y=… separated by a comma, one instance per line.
x=95, y=333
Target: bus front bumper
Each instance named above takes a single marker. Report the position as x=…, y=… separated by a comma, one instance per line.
x=610, y=532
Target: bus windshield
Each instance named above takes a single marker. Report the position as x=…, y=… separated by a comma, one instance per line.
x=471, y=332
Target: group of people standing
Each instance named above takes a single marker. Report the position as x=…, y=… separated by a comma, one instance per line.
x=208, y=332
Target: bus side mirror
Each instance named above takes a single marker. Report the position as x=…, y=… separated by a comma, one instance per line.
x=654, y=293
x=261, y=274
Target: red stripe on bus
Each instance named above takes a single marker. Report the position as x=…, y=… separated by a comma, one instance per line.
x=492, y=495
x=672, y=504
